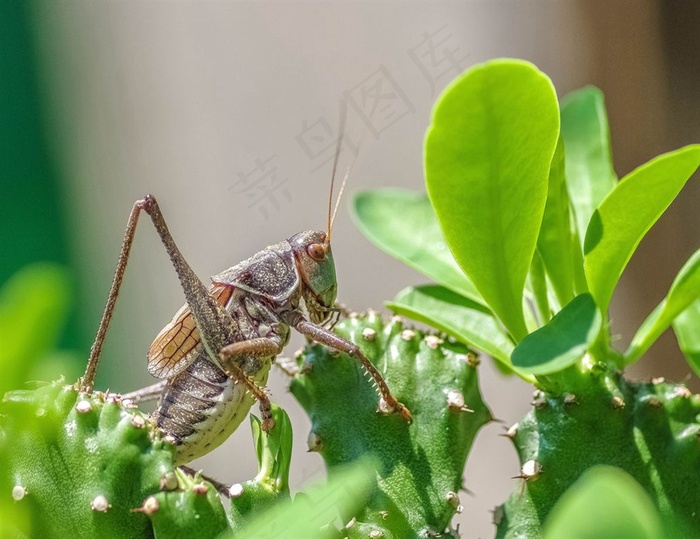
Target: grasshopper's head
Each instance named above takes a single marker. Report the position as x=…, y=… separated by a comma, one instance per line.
x=312, y=249
x=314, y=260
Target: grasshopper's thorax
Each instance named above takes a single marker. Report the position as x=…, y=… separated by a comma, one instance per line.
x=314, y=262
x=279, y=273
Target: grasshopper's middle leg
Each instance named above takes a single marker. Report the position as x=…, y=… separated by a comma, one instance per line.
x=259, y=347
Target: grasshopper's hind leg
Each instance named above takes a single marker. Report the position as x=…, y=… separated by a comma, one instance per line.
x=220, y=487
x=146, y=394
x=261, y=347
x=217, y=328
x=88, y=379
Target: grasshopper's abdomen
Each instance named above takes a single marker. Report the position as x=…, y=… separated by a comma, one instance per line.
x=202, y=406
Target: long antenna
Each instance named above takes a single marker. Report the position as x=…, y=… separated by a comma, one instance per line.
x=342, y=116
x=346, y=177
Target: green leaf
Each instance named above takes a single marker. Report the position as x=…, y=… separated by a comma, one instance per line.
x=589, y=170
x=684, y=290
x=274, y=450
x=271, y=485
x=457, y=316
x=605, y=503
x=557, y=239
x=563, y=341
x=344, y=494
x=403, y=224
x=687, y=330
x=538, y=283
x=627, y=213
x=487, y=157
x=34, y=306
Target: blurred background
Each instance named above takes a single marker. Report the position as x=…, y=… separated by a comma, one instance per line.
x=227, y=112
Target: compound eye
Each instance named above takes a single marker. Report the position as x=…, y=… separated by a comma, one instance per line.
x=317, y=251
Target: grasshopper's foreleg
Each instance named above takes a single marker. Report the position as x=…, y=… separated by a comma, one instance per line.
x=260, y=347
x=323, y=336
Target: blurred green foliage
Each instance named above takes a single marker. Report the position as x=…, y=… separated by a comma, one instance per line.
x=32, y=220
x=34, y=308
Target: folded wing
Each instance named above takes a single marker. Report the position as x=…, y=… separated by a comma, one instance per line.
x=178, y=343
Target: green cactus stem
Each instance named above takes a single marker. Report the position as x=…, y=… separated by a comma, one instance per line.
x=651, y=430
x=193, y=509
x=78, y=465
x=420, y=466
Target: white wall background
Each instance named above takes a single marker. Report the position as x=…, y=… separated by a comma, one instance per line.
x=180, y=99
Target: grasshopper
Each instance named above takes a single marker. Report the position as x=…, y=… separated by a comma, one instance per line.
x=215, y=354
